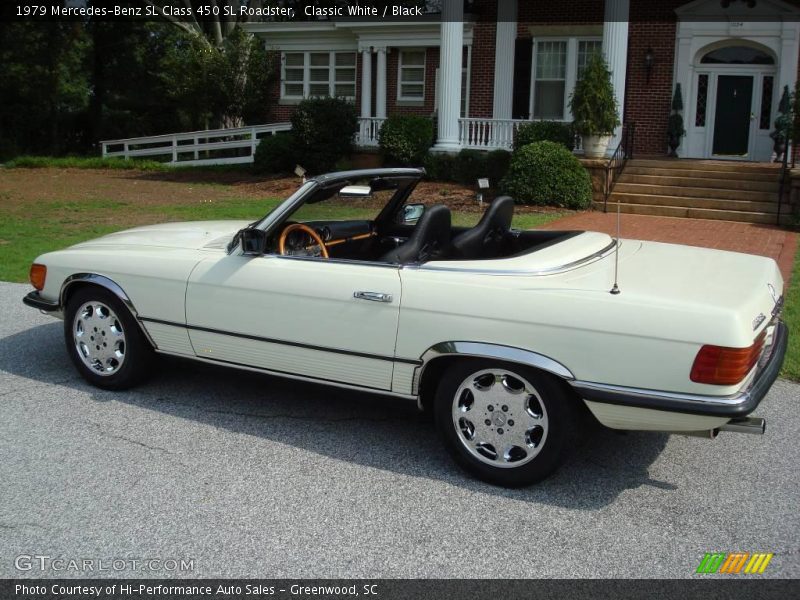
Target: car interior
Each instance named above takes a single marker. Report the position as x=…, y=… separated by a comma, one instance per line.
x=401, y=232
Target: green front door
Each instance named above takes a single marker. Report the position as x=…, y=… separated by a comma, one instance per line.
x=732, y=120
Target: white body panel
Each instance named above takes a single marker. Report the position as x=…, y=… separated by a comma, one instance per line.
x=299, y=316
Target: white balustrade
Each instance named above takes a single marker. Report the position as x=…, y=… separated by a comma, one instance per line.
x=368, y=129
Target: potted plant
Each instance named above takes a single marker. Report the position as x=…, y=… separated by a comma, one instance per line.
x=594, y=107
x=675, y=129
x=783, y=124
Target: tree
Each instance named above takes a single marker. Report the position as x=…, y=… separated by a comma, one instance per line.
x=221, y=73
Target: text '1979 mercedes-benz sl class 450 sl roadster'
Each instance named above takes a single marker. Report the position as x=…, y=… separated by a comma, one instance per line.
x=505, y=336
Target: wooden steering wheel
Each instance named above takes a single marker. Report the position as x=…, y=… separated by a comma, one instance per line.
x=305, y=229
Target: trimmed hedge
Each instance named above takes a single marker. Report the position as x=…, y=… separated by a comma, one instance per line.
x=275, y=154
x=467, y=166
x=405, y=139
x=323, y=130
x=546, y=173
x=497, y=164
x=545, y=131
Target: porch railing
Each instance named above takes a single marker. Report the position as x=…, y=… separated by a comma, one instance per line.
x=616, y=163
x=207, y=147
x=488, y=134
x=368, y=129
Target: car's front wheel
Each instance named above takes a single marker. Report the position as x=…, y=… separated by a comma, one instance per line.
x=104, y=341
x=504, y=423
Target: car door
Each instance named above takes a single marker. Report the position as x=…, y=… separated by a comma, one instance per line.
x=328, y=320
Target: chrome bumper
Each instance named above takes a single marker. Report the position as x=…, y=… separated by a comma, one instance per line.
x=35, y=300
x=735, y=406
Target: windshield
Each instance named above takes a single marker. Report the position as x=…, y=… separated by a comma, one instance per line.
x=281, y=208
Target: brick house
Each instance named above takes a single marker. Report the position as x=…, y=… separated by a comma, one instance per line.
x=487, y=66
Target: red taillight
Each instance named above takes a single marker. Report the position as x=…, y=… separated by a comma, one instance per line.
x=37, y=275
x=718, y=365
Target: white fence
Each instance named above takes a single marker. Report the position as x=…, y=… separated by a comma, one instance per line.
x=230, y=146
x=209, y=147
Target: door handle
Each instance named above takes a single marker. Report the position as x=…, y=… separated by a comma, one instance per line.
x=373, y=296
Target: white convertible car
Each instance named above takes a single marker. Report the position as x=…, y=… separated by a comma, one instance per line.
x=504, y=335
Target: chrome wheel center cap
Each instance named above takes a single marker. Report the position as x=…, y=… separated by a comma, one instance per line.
x=499, y=419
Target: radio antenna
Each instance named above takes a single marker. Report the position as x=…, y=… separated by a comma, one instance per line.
x=615, y=288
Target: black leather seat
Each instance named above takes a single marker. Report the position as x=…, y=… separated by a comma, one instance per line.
x=486, y=239
x=430, y=237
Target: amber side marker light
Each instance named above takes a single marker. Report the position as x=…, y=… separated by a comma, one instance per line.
x=719, y=365
x=38, y=275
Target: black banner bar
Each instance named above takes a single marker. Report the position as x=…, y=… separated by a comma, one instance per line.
x=707, y=587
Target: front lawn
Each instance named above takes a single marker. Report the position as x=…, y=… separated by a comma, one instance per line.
x=791, y=315
x=47, y=209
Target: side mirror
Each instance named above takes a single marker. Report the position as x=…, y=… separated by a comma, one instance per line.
x=254, y=241
x=411, y=213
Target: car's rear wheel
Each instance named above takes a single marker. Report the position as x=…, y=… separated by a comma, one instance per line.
x=504, y=423
x=104, y=341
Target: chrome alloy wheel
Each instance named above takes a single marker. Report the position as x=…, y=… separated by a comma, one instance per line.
x=99, y=338
x=499, y=418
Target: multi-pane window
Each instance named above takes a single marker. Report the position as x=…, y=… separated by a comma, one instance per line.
x=587, y=48
x=765, y=118
x=311, y=74
x=702, y=100
x=411, y=75
x=558, y=65
x=550, y=80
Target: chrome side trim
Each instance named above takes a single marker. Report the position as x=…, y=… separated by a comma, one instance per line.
x=347, y=386
x=487, y=350
x=658, y=395
x=109, y=284
x=586, y=260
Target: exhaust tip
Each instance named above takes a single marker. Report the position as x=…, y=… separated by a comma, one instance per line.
x=752, y=425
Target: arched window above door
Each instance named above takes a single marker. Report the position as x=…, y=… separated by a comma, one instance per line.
x=737, y=55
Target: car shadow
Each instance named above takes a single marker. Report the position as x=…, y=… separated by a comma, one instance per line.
x=374, y=431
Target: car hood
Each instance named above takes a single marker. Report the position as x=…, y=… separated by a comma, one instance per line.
x=192, y=234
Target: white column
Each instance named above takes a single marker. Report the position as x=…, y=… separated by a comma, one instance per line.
x=450, y=59
x=615, y=49
x=380, y=84
x=505, y=40
x=366, y=82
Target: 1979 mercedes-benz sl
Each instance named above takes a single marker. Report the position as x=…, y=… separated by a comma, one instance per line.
x=504, y=335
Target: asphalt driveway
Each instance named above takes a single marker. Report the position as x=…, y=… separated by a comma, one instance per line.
x=254, y=476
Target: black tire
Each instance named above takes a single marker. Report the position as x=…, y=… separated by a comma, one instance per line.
x=133, y=352
x=550, y=402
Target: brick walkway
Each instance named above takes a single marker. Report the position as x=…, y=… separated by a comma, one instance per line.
x=765, y=240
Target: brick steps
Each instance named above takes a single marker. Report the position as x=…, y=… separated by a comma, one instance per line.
x=694, y=213
x=692, y=202
x=707, y=165
x=698, y=189
x=694, y=192
x=706, y=182
x=730, y=176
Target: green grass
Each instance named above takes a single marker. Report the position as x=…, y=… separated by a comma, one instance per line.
x=36, y=228
x=77, y=162
x=791, y=315
x=46, y=226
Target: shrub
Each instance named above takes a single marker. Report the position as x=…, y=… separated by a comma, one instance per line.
x=545, y=131
x=405, y=140
x=593, y=104
x=497, y=162
x=547, y=173
x=323, y=130
x=275, y=154
x=469, y=166
x=439, y=167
